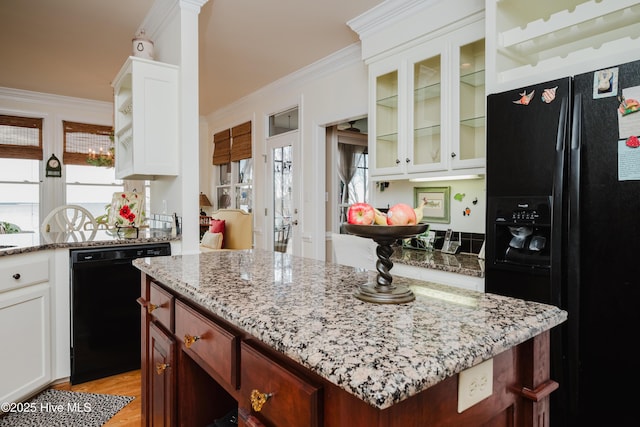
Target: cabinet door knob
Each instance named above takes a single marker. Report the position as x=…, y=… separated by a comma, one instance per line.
x=397, y=161
x=151, y=307
x=160, y=367
x=453, y=155
x=407, y=160
x=258, y=399
x=16, y=276
x=190, y=339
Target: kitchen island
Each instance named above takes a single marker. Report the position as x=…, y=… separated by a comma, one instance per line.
x=283, y=340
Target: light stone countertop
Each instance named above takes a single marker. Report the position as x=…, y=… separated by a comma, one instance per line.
x=102, y=238
x=467, y=264
x=381, y=353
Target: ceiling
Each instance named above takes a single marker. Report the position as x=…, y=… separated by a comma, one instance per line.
x=76, y=47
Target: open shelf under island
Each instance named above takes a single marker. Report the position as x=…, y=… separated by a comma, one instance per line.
x=283, y=341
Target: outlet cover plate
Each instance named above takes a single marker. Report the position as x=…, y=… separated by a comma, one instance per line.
x=475, y=384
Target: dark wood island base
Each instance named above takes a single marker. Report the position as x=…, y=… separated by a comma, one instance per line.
x=197, y=367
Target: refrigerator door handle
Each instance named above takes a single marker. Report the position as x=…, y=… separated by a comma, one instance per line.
x=573, y=250
x=560, y=136
x=576, y=140
x=573, y=241
x=557, y=203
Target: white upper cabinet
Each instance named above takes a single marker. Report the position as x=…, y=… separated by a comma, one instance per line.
x=534, y=41
x=427, y=106
x=146, y=119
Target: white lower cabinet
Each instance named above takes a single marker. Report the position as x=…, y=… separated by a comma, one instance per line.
x=25, y=359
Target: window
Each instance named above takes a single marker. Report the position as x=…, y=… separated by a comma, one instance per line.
x=20, y=156
x=353, y=168
x=244, y=186
x=358, y=189
x=20, y=190
x=91, y=187
x=86, y=144
x=232, y=155
x=89, y=172
x=283, y=122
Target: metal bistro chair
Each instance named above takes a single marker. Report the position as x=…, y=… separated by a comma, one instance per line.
x=69, y=223
x=282, y=238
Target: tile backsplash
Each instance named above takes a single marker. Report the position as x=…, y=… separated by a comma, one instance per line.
x=471, y=242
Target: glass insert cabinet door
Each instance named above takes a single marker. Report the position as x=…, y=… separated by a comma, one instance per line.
x=471, y=102
x=427, y=112
x=386, y=121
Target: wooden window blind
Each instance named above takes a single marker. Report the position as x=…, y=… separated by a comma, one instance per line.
x=20, y=137
x=222, y=147
x=81, y=140
x=241, y=142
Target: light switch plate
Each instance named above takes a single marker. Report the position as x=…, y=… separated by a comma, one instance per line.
x=475, y=384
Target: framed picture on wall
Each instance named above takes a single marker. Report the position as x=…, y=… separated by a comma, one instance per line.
x=436, y=208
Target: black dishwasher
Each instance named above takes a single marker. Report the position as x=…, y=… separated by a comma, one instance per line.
x=105, y=317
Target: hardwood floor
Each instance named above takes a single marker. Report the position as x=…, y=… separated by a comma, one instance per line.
x=127, y=384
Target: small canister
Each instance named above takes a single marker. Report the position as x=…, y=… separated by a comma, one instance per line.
x=142, y=46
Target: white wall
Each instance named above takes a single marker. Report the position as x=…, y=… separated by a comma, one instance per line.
x=53, y=109
x=403, y=192
x=327, y=92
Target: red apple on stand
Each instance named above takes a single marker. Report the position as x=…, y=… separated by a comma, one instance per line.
x=361, y=214
x=401, y=214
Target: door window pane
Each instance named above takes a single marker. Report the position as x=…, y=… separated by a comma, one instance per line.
x=282, y=196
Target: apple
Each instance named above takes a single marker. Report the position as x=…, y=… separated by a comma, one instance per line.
x=401, y=214
x=361, y=214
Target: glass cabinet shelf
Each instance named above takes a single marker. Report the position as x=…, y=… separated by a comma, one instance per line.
x=389, y=137
x=389, y=102
x=475, y=79
x=476, y=122
x=426, y=92
x=427, y=131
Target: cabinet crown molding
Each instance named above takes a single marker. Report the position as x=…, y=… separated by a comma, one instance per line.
x=395, y=23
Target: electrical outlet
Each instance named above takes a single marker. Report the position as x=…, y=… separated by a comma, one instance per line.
x=475, y=384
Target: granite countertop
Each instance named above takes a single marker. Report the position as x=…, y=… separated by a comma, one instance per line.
x=467, y=264
x=102, y=238
x=380, y=353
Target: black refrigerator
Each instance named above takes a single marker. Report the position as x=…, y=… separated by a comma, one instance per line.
x=563, y=227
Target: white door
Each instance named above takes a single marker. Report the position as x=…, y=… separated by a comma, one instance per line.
x=283, y=214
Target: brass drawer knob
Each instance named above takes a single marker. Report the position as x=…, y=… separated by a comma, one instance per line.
x=259, y=399
x=160, y=367
x=151, y=307
x=190, y=339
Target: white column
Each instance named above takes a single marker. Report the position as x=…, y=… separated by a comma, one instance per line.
x=190, y=123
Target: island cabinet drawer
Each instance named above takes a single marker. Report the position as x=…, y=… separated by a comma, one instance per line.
x=208, y=343
x=160, y=306
x=275, y=394
x=23, y=271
